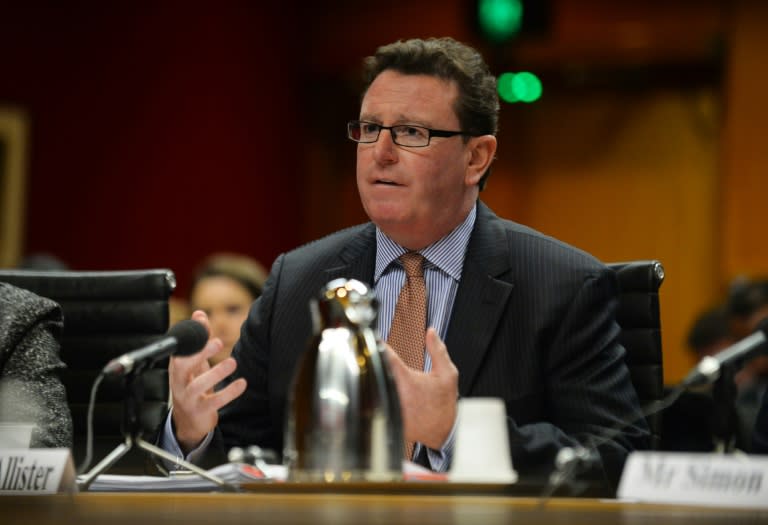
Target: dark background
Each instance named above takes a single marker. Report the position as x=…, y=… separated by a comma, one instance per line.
x=159, y=131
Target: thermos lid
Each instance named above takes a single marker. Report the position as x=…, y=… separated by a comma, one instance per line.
x=344, y=302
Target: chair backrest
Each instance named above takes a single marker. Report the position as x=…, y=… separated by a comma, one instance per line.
x=639, y=318
x=106, y=314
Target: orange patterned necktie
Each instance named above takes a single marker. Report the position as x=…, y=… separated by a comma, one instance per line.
x=409, y=325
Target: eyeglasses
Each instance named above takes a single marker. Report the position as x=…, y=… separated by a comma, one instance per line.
x=402, y=134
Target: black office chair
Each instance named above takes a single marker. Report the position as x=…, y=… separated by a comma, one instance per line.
x=106, y=314
x=639, y=318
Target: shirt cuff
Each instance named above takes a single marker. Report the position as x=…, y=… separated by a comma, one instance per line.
x=170, y=444
x=440, y=460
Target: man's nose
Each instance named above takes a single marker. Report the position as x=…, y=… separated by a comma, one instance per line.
x=385, y=150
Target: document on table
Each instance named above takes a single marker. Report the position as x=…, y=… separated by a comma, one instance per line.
x=233, y=474
x=230, y=473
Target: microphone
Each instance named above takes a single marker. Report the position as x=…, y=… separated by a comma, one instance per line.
x=570, y=461
x=708, y=369
x=184, y=338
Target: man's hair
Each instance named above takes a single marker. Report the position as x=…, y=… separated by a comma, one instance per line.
x=477, y=106
x=746, y=297
x=709, y=327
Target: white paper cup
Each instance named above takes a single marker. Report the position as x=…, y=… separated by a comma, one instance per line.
x=15, y=435
x=481, y=452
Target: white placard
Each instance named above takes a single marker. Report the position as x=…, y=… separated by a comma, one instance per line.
x=700, y=479
x=36, y=471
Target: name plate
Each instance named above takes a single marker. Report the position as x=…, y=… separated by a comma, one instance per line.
x=698, y=479
x=36, y=471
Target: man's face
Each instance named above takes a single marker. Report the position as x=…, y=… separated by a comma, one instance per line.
x=416, y=195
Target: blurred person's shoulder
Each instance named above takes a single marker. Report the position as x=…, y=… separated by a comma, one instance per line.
x=19, y=308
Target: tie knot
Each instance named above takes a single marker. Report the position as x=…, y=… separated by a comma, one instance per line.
x=412, y=262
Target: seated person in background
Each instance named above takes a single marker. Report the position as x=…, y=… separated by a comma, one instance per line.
x=43, y=262
x=30, y=388
x=688, y=422
x=710, y=333
x=760, y=434
x=224, y=287
x=510, y=312
x=747, y=305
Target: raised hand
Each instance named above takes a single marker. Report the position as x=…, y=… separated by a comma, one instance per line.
x=428, y=399
x=192, y=382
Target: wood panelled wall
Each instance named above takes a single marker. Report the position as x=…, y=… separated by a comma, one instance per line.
x=627, y=176
x=744, y=182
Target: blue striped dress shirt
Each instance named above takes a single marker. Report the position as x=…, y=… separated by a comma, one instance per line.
x=442, y=273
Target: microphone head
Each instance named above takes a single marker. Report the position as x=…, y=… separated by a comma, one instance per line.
x=190, y=335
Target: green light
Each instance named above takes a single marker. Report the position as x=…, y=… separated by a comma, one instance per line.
x=499, y=19
x=519, y=87
x=505, y=87
x=527, y=86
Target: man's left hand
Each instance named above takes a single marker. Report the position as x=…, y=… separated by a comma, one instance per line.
x=427, y=399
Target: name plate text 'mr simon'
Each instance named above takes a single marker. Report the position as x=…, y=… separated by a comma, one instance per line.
x=699, y=479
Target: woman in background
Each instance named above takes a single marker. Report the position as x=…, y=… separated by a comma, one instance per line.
x=31, y=390
x=224, y=287
x=760, y=437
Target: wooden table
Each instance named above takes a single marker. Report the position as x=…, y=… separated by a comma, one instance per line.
x=295, y=507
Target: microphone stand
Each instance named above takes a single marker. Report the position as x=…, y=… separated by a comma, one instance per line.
x=724, y=419
x=134, y=394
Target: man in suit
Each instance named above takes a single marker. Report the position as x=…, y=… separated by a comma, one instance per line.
x=511, y=313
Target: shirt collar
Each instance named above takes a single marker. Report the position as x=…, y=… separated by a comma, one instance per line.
x=447, y=254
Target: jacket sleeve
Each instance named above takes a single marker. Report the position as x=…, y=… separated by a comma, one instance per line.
x=588, y=393
x=31, y=389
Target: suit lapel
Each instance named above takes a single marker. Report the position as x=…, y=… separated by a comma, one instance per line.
x=481, y=297
x=357, y=260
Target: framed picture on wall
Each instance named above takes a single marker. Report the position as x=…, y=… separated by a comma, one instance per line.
x=13, y=149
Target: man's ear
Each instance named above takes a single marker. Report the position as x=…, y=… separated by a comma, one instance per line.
x=481, y=151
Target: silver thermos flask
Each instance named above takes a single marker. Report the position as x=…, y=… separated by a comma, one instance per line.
x=343, y=420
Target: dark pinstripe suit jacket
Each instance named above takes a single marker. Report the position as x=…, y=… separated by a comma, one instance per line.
x=532, y=323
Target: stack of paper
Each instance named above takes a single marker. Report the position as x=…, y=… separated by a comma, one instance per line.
x=232, y=474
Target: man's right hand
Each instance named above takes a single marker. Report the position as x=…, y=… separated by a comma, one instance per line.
x=192, y=382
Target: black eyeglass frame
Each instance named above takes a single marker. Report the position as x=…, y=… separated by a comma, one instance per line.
x=430, y=133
